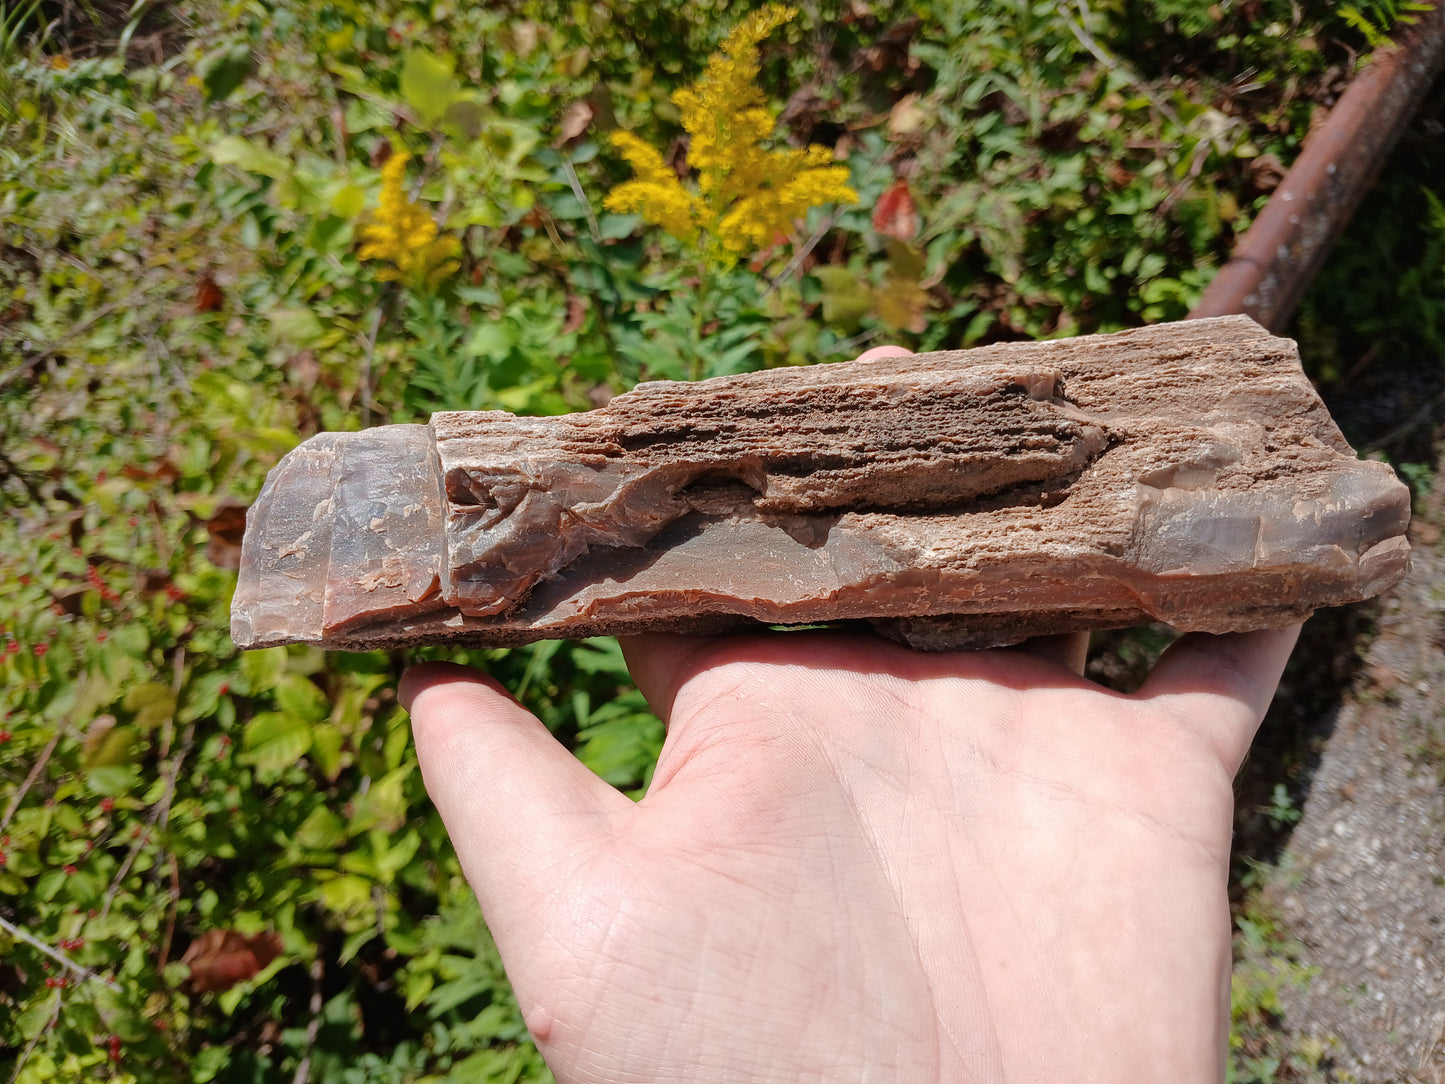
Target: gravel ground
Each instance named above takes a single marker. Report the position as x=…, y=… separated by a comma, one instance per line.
x=1361, y=884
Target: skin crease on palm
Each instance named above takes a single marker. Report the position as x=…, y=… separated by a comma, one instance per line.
x=856, y=862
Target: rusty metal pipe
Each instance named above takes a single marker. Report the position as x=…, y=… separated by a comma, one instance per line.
x=1281, y=252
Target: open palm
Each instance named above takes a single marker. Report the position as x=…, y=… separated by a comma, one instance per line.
x=856, y=862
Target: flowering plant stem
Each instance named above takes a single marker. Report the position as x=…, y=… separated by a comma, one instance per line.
x=699, y=311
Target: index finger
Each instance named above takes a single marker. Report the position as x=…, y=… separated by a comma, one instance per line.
x=1221, y=686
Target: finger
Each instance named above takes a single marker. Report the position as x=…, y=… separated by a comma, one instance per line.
x=885, y=352
x=662, y=663
x=1222, y=685
x=514, y=800
x=1069, y=648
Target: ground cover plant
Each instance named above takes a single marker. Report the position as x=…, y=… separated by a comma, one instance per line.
x=229, y=224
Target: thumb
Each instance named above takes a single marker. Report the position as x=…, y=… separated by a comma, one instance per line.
x=515, y=802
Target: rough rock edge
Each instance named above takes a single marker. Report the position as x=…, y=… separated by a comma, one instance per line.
x=1217, y=446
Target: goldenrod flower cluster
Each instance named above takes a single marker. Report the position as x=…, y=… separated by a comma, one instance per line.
x=405, y=234
x=748, y=195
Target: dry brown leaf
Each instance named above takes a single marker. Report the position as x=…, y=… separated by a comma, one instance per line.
x=223, y=535
x=219, y=959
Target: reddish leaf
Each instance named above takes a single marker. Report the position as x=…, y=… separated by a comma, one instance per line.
x=576, y=314
x=224, y=531
x=208, y=295
x=219, y=959
x=895, y=215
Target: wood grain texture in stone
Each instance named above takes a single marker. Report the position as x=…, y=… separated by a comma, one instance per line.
x=1185, y=472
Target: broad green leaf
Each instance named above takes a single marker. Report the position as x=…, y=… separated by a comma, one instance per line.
x=208, y=1062
x=153, y=703
x=112, y=747
x=346, y=894
x=298, y=325
x=275, y=740
x=297, y=696
x=428, y=84
x=224, y=70
x=253, y=158
x=112, y=780
x=383, y=806
x=349, y=201
x=263, y=669
x=326, y=742
x=321, y=830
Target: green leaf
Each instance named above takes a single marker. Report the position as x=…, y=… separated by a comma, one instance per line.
x=326, y=742
x=321, y=830
x=275, y=740
x=153, y=703
x=349, y=201
x=113, y=780
x=253, y=158
x=224, y=70
x=615, y=227
x=209, y=1061
x=263, y=669
x=346, y=894
x=299, y=697
x=428, y=84
x=621, y=750
x=383, y=806
x=114, y=747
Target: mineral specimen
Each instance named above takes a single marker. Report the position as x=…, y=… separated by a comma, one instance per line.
x=1185, y=472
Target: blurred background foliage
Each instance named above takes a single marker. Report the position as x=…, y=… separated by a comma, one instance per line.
x=228, y=224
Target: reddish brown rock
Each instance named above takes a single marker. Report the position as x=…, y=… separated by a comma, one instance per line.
x=1185, y=473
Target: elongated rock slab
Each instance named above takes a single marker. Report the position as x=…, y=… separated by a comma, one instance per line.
x=1186, y=473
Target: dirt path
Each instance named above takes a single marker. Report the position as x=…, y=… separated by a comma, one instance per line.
x=1361, y=884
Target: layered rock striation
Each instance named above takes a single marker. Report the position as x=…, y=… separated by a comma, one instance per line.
x=1186, y=473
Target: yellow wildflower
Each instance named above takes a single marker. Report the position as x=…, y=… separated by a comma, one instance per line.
x=747, y=193
x=405, y=234
x=655, y=191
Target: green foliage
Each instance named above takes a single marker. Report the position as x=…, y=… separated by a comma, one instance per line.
x=1377, y=19
x=1265, y=966
x=182, y=299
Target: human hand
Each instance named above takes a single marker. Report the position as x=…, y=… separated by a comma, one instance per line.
x=857, y=862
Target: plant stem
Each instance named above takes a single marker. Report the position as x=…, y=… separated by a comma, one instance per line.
x=64, y=961
x=695, y=367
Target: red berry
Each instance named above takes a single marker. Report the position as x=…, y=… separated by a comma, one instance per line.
x=3, y=859
x=133, y=521
x=114, y=1045
x=107, y=804
x=225, y=687
x=68, y=868
x=24, y=579
x=102, y=636
x=4, y=736
x=40, y=649
x=12, y=647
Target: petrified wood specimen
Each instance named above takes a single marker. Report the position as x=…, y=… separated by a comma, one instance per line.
x=1186, y=473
